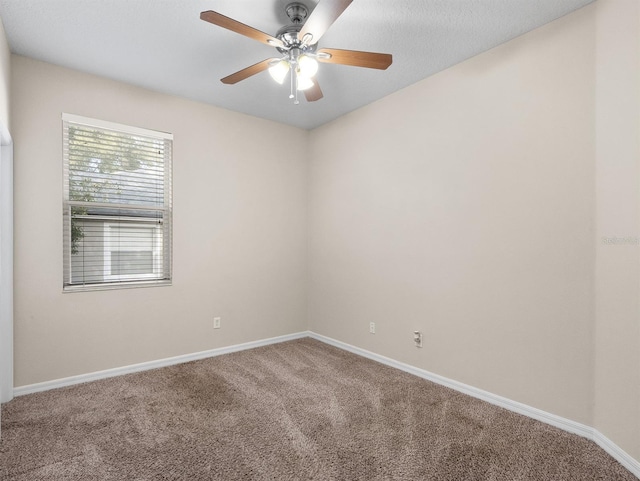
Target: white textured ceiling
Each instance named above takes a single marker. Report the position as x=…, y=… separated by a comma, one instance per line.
x=164, y=46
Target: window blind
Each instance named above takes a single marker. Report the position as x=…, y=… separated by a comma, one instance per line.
x=117, y=205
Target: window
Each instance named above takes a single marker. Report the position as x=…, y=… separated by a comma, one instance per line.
x=116, y=206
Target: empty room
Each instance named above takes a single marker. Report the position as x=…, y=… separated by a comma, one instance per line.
x=320, y=239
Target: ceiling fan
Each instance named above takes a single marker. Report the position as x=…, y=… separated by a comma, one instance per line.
x=298, y=46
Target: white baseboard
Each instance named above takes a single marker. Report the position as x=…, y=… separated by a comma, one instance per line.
x=617, y=453
x=562, y=423
x=552, y=419
x=144, y=366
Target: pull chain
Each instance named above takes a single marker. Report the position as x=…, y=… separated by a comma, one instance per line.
x=292, y=72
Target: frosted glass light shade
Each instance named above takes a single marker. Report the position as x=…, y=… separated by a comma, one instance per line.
x=304, y=82
x=308, y=66
x=279, y=71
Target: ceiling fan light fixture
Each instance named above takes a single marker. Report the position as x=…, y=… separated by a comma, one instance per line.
x=304, y=82
x=279, y=71
x=307, y=65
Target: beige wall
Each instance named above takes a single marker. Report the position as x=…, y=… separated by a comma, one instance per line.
x=239, y=231
x=617, y=367
x=5, y=61
x=463, y=206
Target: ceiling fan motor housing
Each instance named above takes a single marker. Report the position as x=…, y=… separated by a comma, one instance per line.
x=297, y=13
x=289, y=36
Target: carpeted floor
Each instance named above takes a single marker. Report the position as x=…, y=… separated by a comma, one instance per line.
x=299, y=410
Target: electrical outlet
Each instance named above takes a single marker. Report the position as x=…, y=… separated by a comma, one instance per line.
x=216, y=323
x=372, y=327
x=417, y=338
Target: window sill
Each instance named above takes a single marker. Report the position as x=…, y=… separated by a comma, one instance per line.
x=115, y=285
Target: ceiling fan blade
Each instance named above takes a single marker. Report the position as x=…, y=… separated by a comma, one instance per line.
x=314, y=92
x=238, y=27
x=247, y=72
x=355, y=58
x=322, y=17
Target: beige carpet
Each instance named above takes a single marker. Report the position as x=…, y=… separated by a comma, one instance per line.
x=299, y=410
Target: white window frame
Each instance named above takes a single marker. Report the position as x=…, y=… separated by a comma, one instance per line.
x=162, y=275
